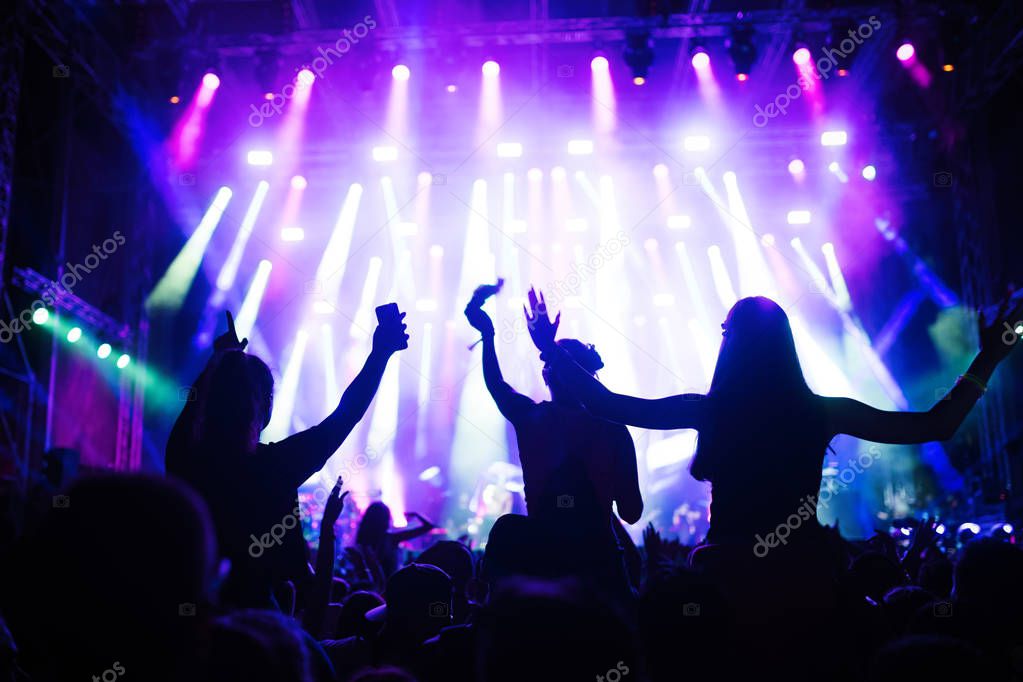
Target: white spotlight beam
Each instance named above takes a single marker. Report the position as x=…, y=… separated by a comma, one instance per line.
x=225, y=280
x=284, y=400
x=246, y=318
x=170, y=291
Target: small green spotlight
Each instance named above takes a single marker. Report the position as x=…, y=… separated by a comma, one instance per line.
x=103, y=352
x=41, y=315
x=123, y=361
x=74, y=334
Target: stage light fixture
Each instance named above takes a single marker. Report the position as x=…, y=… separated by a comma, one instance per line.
x=905, y=52
x=696, y=143
x=260, y=157
x=535, y=174
x=801, y=56
x=41, y=315
x=639, y=55
x=599, y=63
x=834, y=138
x=700, y=58
x=798, y=217
x=298, y=182
x=175, y=99
x=103, y=352
x=452, y=87
x=400, y=73
x=580, y=147
x=292, y=234
x=509, y=150
x=491, y=68
x=211, y=81
x=74, y=334
x=742, y=51
x=123, y=360
x=660, y=171
x=305, y=78
x=385, y=153
x=869, y=172
x=797, y=167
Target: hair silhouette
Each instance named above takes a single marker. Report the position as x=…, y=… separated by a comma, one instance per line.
x=757, y=376
x=237, y=401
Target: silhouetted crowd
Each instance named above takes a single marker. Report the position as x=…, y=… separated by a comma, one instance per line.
x=204, y=574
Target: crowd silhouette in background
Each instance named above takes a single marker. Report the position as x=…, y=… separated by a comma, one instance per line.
x=182, y=577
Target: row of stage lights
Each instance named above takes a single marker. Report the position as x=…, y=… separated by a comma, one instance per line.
x=700, y=60
x=41, y=316
x=514, y=150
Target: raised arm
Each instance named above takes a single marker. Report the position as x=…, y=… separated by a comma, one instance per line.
x=309, y=450
x=683, y=411
x=997, y=339
x=407, y=534
x=326, y=554
x=513, y=405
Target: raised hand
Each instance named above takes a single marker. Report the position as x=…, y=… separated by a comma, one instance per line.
x=229, y=339
x=997, y=333
x=541, y=329
x=332, y=508
x=390, y=336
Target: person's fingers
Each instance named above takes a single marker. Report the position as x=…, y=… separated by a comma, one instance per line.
x=557, y=321
x=245, y=343
x=230, y=323
x=402, y=316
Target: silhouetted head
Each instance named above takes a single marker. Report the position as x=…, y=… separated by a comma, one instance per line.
x=758, y=353
x=262, y=645
x=352, y=620
x=757, y=381
x=584, y=354
x=988, y=576
x=237, y=401
x=375, y=523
